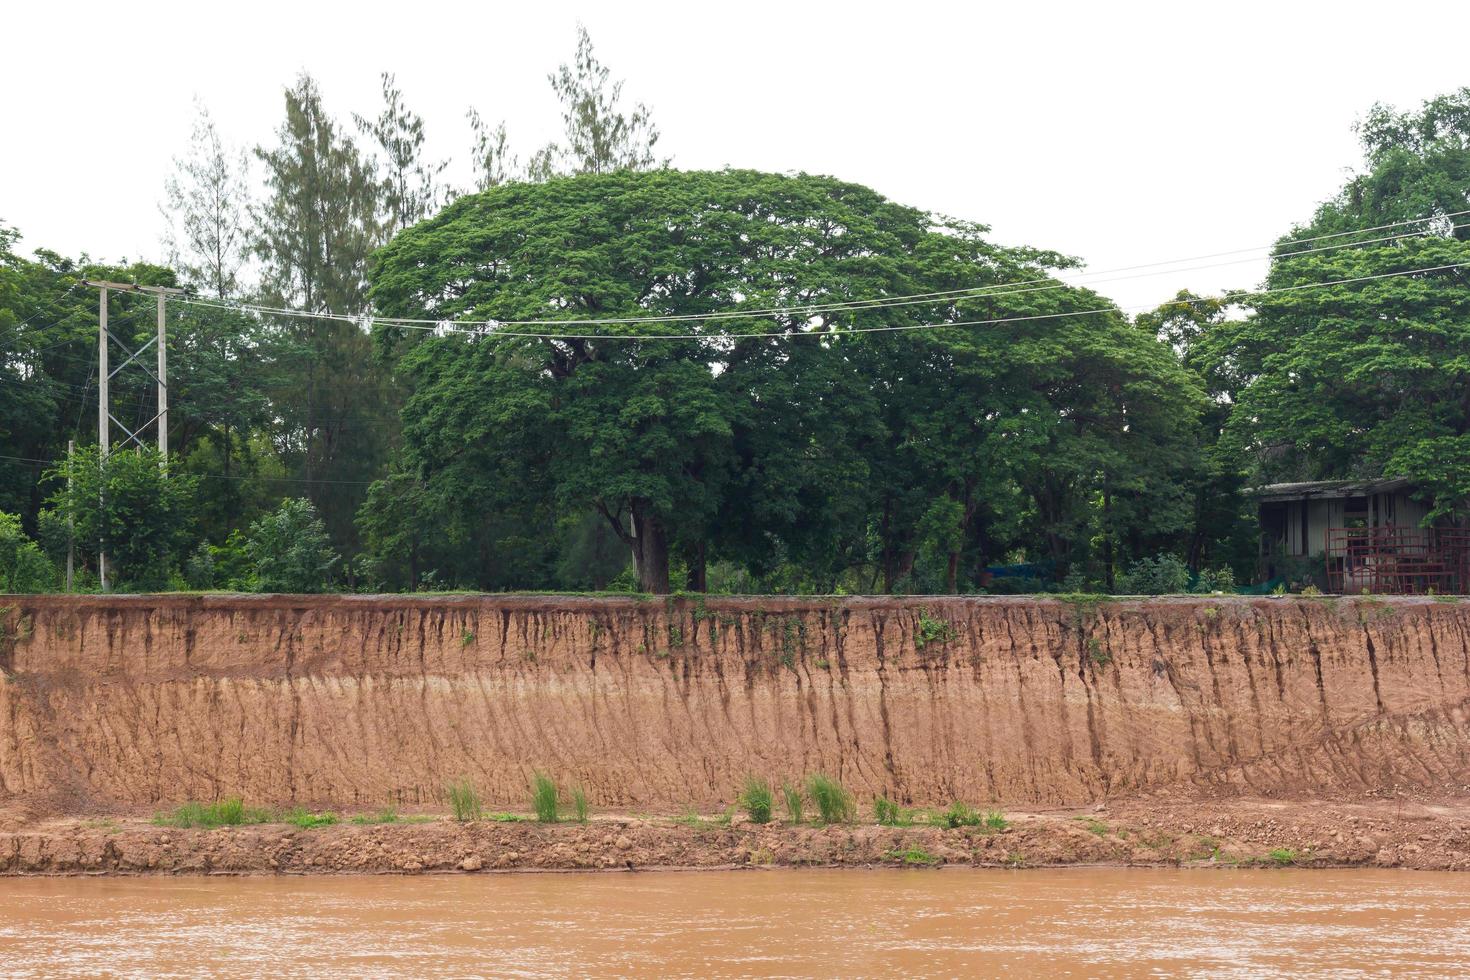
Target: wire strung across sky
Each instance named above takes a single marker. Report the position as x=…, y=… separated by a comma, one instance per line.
x=493, y=328
x=958, y=295
x=499, y=327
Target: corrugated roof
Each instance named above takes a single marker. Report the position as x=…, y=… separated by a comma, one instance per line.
x=1328, y=488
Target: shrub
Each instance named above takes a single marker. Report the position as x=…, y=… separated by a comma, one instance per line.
x=1220, y=580
x=791, y=796
x=930, y=630
x=23, y=567
x=579, y=804
x=1159, y=575
x=890, y=814
x=146, y=523
x=543, y=797
x=464, y=800
x=834, y=804
x=290, y=551
x=757, y=799
x=960, y=815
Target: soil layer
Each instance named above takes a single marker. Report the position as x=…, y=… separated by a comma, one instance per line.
x=1175, y=711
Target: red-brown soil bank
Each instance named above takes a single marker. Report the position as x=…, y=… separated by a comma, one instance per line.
x=124, y=704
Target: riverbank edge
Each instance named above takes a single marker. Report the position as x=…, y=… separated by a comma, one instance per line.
x=1228, y=835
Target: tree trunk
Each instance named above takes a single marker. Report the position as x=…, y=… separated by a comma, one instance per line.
x=650, y=548
x=698, y=580
x=951, y=578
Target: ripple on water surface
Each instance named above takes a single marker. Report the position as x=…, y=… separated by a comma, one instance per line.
x=1078, y=922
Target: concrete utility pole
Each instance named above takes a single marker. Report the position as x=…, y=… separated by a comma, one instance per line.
x=105, y=418
x=71, y=448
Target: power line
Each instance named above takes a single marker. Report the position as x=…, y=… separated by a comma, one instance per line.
x=1237, y=295
x=957, y=295
x=216, y=476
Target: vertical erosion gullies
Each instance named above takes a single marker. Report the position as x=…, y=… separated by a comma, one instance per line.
x=136, y=701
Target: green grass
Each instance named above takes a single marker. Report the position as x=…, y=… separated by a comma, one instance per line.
x=889, y=813
x=690, y=818
x=994, y=820
x=757, y=799
x=913, y=854
x=388, y=815
x=1283, y=856
x=231, y=812
x=791, y=796
x=544, y=797
x=1095, y=826
x=960, y=815
x=464, y=800
x=834, y=803
x=306, y=820
x=506, y=817
x=579, y=804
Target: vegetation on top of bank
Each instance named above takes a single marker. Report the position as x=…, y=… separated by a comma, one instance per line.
x=1076, y=450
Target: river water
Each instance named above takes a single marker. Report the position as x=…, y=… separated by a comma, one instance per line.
x=1084, y=922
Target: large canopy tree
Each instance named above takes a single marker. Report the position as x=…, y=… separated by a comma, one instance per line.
x=638, y=422
x=739, y=420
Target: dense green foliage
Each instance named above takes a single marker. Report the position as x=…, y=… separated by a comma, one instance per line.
x=841, y=459
x=23, y=568
x=1367, y=378
x=126, y=505
x=290, y=551
x=766, y=427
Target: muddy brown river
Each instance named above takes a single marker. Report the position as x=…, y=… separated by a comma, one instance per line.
x=1084, y=922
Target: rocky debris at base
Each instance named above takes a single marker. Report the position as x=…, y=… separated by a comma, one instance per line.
x=1141, y=833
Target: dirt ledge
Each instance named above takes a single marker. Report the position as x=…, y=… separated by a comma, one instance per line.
x=1266, y=834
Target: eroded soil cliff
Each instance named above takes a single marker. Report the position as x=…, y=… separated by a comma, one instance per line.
x=126, y=704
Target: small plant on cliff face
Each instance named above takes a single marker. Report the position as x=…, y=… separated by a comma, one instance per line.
x=757, y=799
x=834, y=804
x=467, y=638
x=931, y=630
x=544, y=797
x=791, y=796
x=1095, y=650
x=464, y=800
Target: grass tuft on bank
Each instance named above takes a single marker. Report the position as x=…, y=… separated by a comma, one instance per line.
x=229, y=812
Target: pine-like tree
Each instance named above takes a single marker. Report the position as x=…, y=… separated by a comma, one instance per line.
x=207, y=207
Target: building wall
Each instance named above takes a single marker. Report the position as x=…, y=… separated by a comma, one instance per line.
x=1309, y=537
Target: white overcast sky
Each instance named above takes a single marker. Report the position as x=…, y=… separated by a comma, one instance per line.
x=1119, y=133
